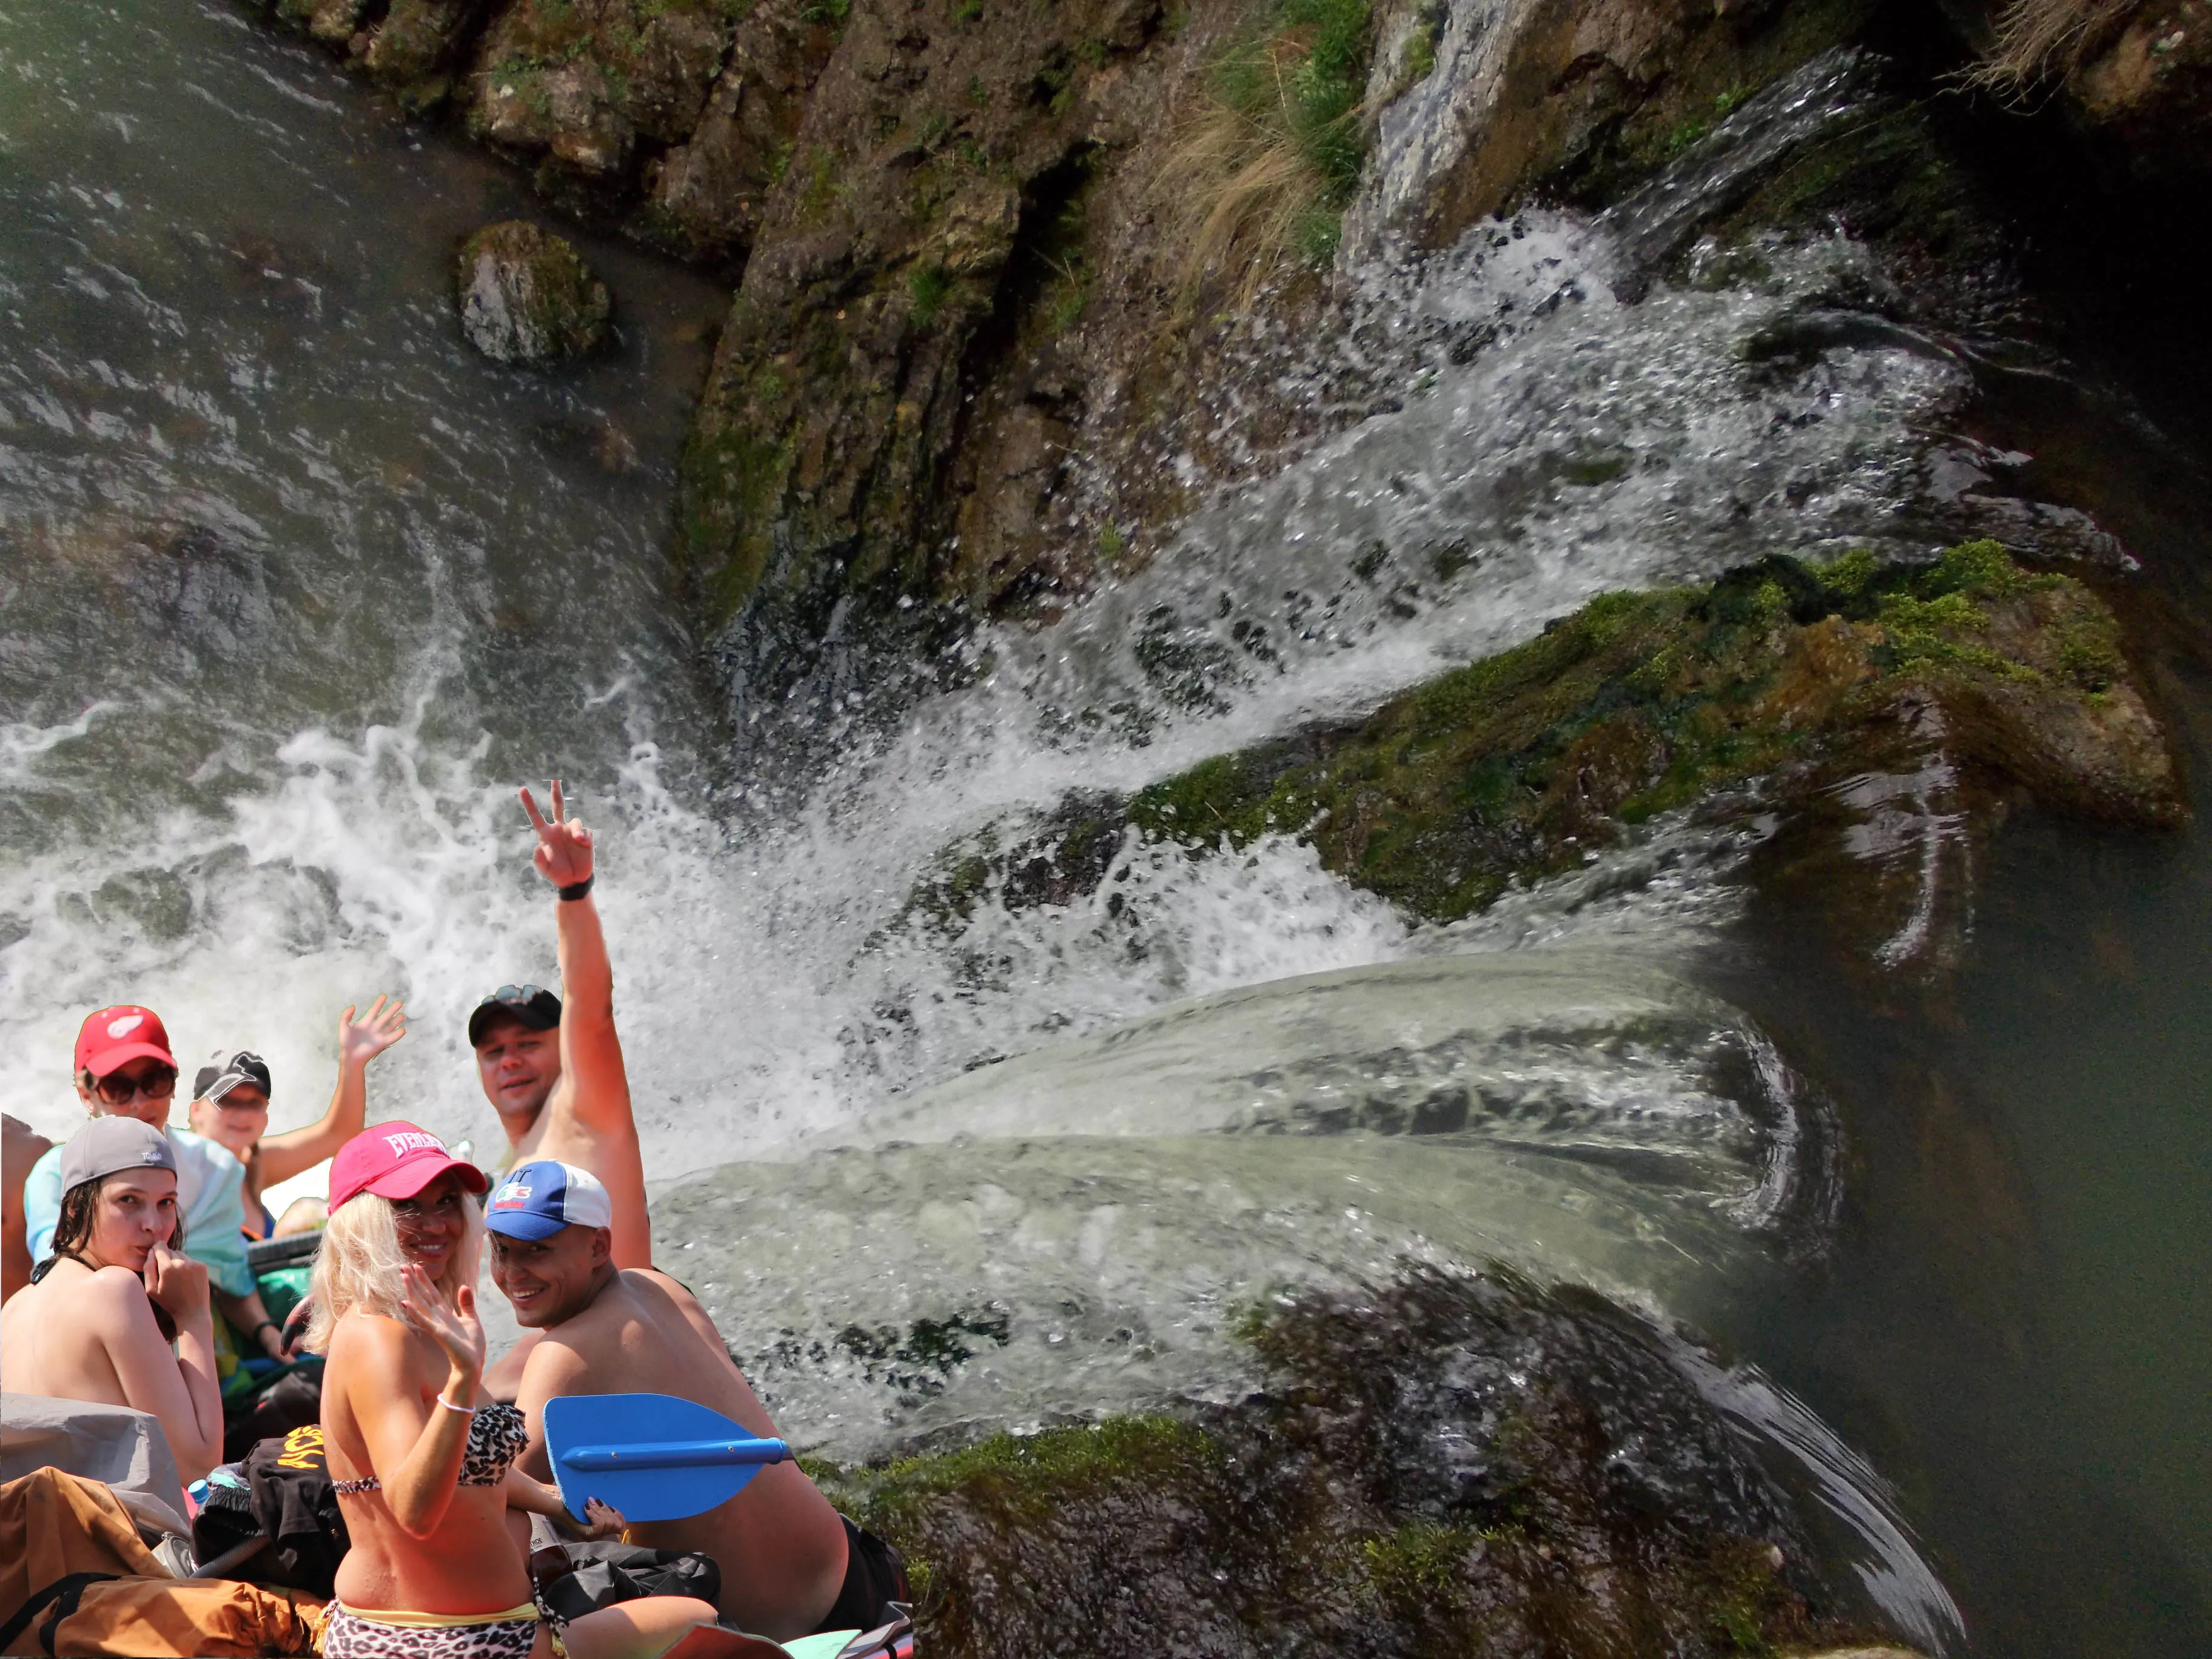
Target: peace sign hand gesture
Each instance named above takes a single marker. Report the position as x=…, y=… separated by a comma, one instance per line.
x=564, y=845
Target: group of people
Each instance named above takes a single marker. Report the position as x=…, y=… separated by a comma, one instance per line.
x=133, y=1237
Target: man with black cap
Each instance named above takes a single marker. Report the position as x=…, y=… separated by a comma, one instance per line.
x=552, y=1065
x=230, y=1105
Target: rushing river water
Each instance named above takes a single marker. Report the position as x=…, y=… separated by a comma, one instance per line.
x=296, y=591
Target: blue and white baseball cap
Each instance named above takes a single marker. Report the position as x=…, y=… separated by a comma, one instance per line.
x=538, y=1199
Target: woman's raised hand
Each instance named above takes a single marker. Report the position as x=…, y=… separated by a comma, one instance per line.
x=362, y=1040
x=564, y=845
x=453, y=1327
x=176, y=1282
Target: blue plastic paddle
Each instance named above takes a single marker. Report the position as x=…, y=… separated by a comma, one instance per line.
x=653, y=1456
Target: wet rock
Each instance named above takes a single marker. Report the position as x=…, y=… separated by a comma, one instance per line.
x=527, y=297
x=600, y=442
x=1516, y=768
x=585, y=83
x=707, y=194
x=2151, y=85
x=1580, y=101
x=412, y=50
x=875, y=302
x=1891, y=705
x=2139, y=74
x=1455, y=1463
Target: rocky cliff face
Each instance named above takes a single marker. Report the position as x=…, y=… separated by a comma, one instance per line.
x=1013, y=277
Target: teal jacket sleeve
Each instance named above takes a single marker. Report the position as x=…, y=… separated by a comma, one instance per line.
x=42, y=1201
x=213, y=1223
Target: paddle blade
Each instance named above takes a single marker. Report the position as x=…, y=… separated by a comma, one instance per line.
x=653, y=1456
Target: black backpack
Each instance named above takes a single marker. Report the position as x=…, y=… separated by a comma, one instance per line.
x=601, y=1575
x=287, y=1499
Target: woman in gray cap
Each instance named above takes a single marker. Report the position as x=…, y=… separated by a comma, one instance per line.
x=97, y=1319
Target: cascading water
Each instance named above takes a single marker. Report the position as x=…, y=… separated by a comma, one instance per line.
x=298, y=591
x=293, y=566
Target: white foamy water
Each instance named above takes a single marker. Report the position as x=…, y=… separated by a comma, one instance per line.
x=767, y=989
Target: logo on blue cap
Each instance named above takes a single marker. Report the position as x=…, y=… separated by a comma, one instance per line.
x=538, y=1199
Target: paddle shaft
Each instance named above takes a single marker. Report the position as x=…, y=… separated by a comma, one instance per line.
x=675, y=1454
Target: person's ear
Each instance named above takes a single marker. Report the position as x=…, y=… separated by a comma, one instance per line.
x=603, y=1245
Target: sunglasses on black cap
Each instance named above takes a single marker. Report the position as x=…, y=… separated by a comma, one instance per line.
x=537, y=1008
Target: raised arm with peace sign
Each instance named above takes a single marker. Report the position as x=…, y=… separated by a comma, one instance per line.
x=569, y=1098
x=564, y=845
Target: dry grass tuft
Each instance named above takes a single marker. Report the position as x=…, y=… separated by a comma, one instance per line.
x=1263, y=171
x=2043, y=40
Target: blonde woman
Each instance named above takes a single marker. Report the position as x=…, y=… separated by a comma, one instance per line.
x=421, y=1457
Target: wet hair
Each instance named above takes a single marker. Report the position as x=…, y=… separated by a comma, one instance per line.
x=73, y=1231
x=360, y=1262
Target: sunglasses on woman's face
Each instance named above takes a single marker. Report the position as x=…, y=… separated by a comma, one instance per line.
x=118, y=1089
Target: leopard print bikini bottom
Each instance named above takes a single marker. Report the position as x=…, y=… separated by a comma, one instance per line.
x=373, y=1635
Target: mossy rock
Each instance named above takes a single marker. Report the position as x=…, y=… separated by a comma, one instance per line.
x=527, y=297
x=1516, y=766
x=1777, y=677
x=1449, y=1463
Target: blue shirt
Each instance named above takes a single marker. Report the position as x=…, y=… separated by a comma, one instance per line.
x=209, y=1181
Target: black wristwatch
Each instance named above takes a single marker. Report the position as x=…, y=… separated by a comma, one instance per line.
x=576, y=889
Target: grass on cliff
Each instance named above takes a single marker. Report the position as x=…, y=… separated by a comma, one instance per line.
x=1265, y=169
x=2038, y=41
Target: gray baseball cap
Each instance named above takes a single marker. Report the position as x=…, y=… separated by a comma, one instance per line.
x=107, y=1145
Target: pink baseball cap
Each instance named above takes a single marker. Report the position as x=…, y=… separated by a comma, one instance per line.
x=115, y=1036
x=396, y=1160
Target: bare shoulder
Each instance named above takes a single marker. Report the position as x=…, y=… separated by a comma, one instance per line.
x=559, y=1359
x=106, y=1291
x=20, y=1147
x=653, y=1281
x=687, y=1307
x=561, y=1363
x=374, y=1343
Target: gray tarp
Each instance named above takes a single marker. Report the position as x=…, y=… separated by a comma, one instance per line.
x=125, y=1450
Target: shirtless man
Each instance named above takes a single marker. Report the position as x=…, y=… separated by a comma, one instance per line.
x=791, y=1564
x=552, y=1066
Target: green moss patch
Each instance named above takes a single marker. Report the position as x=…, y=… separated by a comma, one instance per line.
x=1750, y=692
x=1516, y=767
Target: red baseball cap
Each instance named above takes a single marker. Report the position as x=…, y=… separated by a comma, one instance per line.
x=115, y=1036
x=396, y=1160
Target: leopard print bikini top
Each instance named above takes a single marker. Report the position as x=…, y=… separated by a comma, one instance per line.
x=496, y=1438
